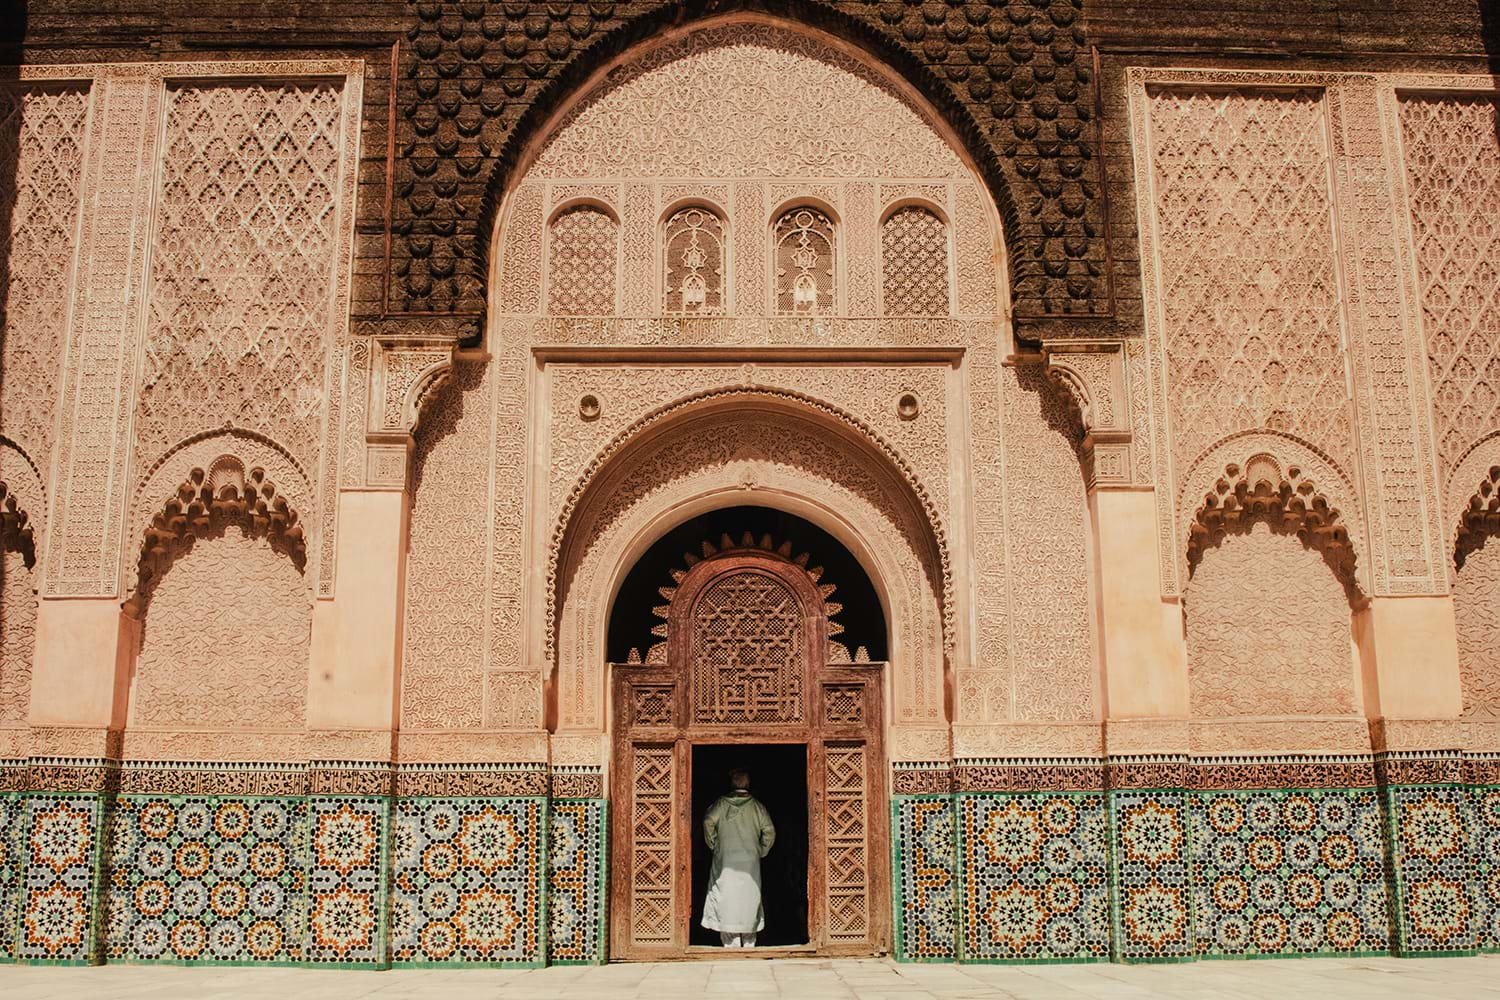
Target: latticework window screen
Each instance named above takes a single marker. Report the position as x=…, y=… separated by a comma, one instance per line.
x=804, y=263
x=693, y=242
x=914, y=263
x=582, y=254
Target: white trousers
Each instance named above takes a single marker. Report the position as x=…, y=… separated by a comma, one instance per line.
x=737, y=940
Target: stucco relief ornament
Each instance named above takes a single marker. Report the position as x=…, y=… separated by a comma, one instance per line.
x=225, y=493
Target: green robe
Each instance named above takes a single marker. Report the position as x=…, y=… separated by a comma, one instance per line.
x=739, y=832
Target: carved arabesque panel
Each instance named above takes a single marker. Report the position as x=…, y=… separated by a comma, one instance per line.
x=224, y=639
x=1267, y=629
x=1249, y=294
x=914, y=263
x=746, y=100
x=1047, y=564
x=748, y=655
x=41, y=157
x=243, y=266
x=17, y=635
x=806, y=263
x=1453, y=189
x=443, y=662
x=1476, y=608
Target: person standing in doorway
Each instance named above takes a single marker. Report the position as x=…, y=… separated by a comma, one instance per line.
x=738, y=830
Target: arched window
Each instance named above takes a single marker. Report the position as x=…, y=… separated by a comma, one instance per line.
x=582, y=256
x=693, y=272
x=804, y=262
x=914, y=263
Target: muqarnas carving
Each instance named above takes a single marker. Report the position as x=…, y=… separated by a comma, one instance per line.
x=221, y=584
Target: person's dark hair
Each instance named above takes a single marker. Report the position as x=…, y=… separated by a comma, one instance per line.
x=739, y=778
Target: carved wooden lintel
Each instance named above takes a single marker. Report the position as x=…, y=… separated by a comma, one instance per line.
x=1090, y=374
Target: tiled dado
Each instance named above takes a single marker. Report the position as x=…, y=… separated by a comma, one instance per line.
x=287, y=865
x=1217, y=862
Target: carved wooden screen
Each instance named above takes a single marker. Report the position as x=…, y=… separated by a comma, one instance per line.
x=748, y=653
x=747, y=662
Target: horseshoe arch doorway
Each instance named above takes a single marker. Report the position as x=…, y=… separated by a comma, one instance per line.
x=749, y=637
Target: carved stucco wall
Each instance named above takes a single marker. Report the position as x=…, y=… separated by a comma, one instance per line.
x=17, y=637
x=1268, y=630
x=1476, y=606
x=745, y=117
x=224, y=641
x=1452, y=168
x=1056, y=671
x=42, y=135
x=1313, y=346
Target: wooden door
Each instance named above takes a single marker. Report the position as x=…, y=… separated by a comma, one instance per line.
x=746, y=661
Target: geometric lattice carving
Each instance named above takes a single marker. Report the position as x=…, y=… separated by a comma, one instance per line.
x=203, y=506
x=1453, y=187
x=1289, y=503
x=749, y=658
x=652, y=859
x=41, y=159
x=914, y=263
x=844, y=704
x=1249, y=292
x=582, y=259
x=804, y=262
x=847, y=866
x=651, y=704
x=243, y=264
x=694, y=247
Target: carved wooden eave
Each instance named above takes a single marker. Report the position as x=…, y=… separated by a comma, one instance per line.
x=1090, y=375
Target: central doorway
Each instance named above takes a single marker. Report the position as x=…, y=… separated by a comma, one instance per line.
x=745, y=667
x=778, y=778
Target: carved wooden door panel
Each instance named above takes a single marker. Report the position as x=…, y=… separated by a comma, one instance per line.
x=746, y=661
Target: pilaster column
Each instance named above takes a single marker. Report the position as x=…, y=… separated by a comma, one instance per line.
x=1408, y=651
x=80, y=665
x=1144, y=658
x=353, y=692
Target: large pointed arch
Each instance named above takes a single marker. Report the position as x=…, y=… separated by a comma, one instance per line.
x=766, y=448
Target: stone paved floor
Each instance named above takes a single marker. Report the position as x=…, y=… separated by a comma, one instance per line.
x=808, y=979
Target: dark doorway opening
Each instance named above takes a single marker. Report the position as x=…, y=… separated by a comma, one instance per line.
x=778, y=777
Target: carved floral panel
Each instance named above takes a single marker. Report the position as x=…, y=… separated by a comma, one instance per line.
x=224, y=640
x=1267, y=630
x=1476, y=609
